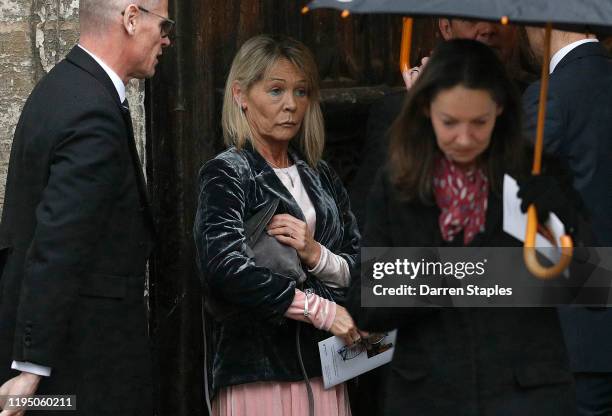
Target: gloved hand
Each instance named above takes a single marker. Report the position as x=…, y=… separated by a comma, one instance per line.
x=546, y=193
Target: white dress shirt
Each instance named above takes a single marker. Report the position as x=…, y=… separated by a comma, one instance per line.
x=120, y=87
x=561, y=53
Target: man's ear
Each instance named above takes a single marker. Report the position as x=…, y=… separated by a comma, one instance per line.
x=446, y=29
x=129, y=18
x=500, y=110
x=238, y=95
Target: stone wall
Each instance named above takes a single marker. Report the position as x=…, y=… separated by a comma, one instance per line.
x=34, y=36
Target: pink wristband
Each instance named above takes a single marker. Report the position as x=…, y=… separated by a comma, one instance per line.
x=320, y=312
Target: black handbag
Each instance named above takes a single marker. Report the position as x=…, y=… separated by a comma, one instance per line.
x=281, y=258
x=267, y=252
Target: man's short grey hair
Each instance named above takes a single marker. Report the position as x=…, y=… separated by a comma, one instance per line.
x=97, y=15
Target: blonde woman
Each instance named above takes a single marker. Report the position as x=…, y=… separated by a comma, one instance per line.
x=273, y=124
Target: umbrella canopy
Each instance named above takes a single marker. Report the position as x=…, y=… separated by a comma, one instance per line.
x=575, y=15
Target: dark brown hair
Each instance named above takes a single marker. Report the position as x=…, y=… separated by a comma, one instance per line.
x=413, y=146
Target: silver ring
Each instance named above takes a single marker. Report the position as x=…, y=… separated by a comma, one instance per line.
x=417, y=70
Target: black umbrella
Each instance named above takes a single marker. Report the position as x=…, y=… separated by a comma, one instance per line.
x=577, y=15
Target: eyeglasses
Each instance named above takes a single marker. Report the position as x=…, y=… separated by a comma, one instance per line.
x=166, y=26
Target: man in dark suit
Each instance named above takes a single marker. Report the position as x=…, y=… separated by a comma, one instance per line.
x=76, y=227
x=578, y=130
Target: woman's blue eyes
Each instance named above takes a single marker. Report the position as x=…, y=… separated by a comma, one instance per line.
x=275, y=92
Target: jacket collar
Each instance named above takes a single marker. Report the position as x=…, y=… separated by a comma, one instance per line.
x=581, y=51
x=267, y=179
x=83, y=60
x=117, y=81
x=259, y=164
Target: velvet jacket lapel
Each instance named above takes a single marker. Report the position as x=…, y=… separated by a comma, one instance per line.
x=83, y=60
x=268, y=180
x=312, y=183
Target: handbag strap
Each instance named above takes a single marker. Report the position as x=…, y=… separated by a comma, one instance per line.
x=255, y=225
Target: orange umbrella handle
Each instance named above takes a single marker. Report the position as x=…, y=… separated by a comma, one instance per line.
x=406, y=45
x=529, y=251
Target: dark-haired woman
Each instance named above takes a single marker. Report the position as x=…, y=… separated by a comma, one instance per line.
x=455, y=138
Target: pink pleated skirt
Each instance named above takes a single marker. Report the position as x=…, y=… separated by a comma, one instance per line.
x=281, y=399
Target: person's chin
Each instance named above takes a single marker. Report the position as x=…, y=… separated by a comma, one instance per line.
x=150, y=73
x=284, y=137
x=288, y=134
x=463, y=159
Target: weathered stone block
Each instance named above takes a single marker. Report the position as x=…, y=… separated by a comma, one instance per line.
x=34, y=36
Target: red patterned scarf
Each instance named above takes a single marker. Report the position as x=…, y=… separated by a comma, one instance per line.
x=462, y=197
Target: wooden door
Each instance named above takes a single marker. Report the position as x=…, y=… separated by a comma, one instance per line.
x=358, y=61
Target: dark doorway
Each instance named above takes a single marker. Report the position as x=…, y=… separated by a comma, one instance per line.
x=358, y=61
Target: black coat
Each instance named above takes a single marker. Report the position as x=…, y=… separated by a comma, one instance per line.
x=260, y=344
x=382, y=114
x=579, y=131
x=462, y=361
x=76, y=233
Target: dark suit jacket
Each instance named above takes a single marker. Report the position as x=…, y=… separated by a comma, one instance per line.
x=75, y=235
x=579, y=131
x=461, y=361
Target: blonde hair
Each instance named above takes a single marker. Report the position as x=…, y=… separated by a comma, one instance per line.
x=254, y=59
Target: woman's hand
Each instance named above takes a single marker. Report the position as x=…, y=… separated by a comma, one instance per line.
x=412, y=74
x=295, y=233
x=344, y=327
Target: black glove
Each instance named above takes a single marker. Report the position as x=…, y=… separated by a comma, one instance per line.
x=546, y=193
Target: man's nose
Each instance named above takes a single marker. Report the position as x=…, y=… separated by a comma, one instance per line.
x=485, y=30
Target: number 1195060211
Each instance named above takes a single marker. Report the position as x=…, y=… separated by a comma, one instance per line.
x=38, y=402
